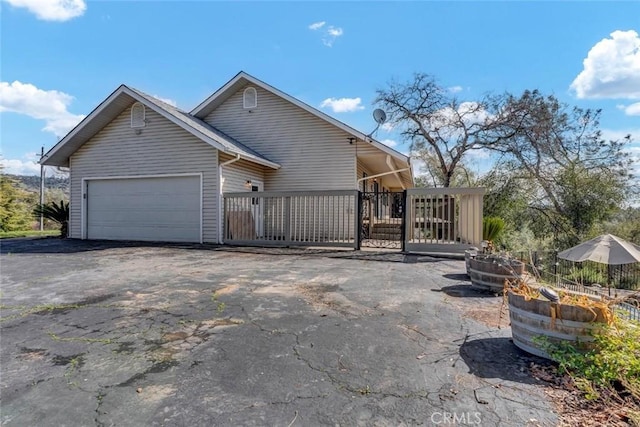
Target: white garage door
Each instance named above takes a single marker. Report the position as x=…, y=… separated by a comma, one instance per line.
x=165, y=209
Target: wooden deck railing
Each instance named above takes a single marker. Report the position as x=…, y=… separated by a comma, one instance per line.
x=309, y=218
x=443, y=219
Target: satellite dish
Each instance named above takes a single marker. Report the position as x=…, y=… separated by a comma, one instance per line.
x=379, y=116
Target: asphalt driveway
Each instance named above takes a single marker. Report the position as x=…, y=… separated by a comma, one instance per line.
x=102, y=334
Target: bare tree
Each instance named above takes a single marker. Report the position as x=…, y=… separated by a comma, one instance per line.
x=580, y=178
x=440, y=128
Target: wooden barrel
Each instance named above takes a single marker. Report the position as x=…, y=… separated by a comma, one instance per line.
x=490, y=272
x=468, y=255
x=533, y=318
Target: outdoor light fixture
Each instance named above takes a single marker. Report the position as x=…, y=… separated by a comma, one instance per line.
x=248, y=183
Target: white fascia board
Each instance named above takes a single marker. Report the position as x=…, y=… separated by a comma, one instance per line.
x=84, y=122
x=211, y=141
x=124, y=89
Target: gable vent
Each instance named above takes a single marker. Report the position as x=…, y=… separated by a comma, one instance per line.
x=250, y=98
x=137, y=116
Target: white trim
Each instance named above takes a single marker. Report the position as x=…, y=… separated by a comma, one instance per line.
x=245, y=93
x=364, y=178
x=84, y=207
x=84, y=121
x=124, y=89
x=242, y=75
x=393, y=167
x=258, y=211
x=135, y=125
x=221, y=194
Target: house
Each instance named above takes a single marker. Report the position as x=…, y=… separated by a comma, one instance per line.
x=141, y=169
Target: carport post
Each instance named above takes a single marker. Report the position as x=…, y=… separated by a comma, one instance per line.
x=403, y=230
x=41, y=189
x=358, y=220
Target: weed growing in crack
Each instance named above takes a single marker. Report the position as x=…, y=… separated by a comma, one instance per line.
x=39, y=309
x=221, y=307
x=74, y=364
x=364, y=390
x=80, y=339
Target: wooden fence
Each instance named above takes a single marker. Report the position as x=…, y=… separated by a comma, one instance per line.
x=309, y=218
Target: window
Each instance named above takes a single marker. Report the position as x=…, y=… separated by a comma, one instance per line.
x=250, y=98
x=137, y=116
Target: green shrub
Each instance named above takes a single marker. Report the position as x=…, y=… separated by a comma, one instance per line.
x=492, y=226
x=587, y=275
x=614, y=363
x=58, y=213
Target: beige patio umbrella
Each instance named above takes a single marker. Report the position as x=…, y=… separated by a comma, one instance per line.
x=606, y=249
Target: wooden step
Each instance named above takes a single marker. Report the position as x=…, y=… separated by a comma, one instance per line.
x=385, y=236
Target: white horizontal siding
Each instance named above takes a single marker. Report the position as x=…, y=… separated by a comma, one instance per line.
x=162, y=148
x=236, y=174
x=368, y=184
x=314, y=154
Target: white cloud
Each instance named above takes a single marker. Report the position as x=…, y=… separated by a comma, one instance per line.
x=317, y=25
x=20, y=166
x=329, y=33
x=28, y=165
x=389, y=142
x=387, y=127
x=52, y=10
x=611, y=68
x=446, y=119
x=619, y=134
x=455, y=89
x=335, y=31
x=419, y=166
x=633, y=109
x=633, y=149
x=166, y=100
x=343, y=105
x=48, y=105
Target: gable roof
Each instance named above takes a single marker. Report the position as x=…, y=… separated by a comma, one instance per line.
x=242, y=78
x=122, y=98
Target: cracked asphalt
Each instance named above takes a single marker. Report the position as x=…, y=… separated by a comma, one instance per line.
x=119, y=334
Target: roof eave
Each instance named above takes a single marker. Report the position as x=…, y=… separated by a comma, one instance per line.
x=222, y=92
x=53, y=158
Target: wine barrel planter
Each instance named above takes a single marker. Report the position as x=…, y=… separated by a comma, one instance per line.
x=468, y=255
x=533, y=318
x=489, y=271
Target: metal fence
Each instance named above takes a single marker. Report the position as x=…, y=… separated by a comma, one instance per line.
x=585, y=273
x=309, y=218
x=538, y=263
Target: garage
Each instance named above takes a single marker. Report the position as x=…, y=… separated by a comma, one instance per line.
x=161, y=208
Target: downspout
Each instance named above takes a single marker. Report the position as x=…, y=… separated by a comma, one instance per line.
x=221, y=185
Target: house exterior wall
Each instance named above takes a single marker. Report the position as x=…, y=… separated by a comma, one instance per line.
x=162, y=148
x=236, y=174
x=314, y=154
x=366, y=185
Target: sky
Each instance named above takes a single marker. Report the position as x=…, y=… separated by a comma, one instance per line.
x=60, y=58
